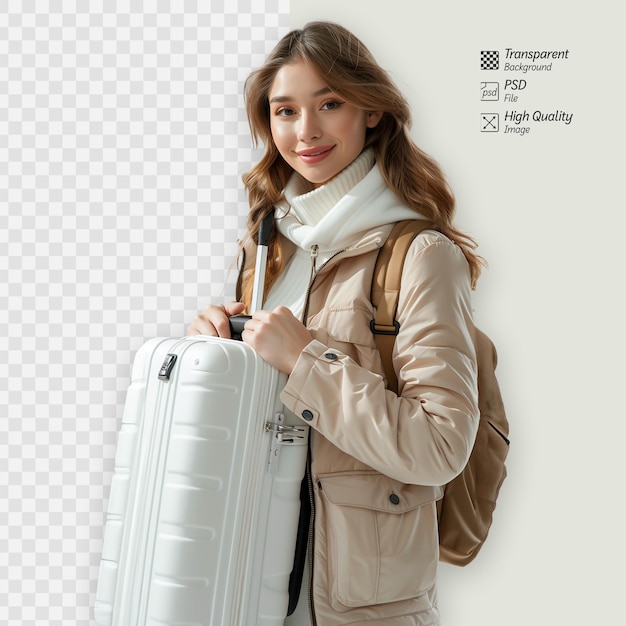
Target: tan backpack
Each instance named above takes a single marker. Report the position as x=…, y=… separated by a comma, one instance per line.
x=466, y=509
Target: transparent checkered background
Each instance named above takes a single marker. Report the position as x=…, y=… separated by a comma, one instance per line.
x=122, y=143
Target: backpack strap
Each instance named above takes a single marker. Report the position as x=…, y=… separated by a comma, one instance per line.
x=385, y=290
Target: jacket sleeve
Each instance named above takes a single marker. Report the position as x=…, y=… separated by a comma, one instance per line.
x=423, y=435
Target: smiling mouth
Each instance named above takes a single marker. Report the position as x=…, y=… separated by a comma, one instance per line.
x=312, y=154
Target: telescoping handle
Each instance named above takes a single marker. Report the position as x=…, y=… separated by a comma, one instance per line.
x=265, y=230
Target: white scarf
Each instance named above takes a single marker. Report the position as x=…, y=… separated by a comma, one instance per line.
x=333, y=217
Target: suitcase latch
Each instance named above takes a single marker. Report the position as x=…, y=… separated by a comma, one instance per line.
x=166, y=368
x=283, y=435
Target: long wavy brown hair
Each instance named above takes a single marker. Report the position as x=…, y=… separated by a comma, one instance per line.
x=349, y=69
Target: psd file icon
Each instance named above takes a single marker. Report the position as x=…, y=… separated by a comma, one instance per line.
x=490, y=91
x=489, y=60
x=489, y=122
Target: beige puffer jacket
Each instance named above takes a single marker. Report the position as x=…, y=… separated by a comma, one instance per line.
x=379, y=459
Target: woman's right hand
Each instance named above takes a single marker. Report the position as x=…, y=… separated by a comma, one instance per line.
x=213, y=320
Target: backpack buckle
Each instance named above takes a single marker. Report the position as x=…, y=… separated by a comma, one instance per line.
x=384, y=329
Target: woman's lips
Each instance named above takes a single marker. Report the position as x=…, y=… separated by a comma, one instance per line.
x=315, y=155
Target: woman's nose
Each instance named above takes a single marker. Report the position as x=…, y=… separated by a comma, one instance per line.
x=308, y=127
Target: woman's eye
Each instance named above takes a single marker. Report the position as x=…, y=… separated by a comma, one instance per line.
x=331, y=104
x=285, y=112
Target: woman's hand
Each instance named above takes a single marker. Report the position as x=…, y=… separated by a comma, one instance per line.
x=277, y=336
x=213, y=320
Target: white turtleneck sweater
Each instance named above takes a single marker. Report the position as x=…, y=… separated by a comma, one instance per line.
x=331, y=218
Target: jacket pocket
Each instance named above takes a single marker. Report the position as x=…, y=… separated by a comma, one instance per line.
x=348, y=330
x=351, y=325
x=382, y=538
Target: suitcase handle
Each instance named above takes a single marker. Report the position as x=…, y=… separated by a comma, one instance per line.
x=265, y=230
x=236, y=323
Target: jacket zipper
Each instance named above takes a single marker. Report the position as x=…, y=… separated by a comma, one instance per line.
x=313, y=621
x=314, y=272
x=305, y=313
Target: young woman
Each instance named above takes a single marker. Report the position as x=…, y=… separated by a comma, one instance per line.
x=339, y=170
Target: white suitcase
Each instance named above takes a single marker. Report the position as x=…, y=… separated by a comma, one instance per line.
x=204, y=504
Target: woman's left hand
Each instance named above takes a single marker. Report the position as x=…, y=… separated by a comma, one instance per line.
x=277, y=336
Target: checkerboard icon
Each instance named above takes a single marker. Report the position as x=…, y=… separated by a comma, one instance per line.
x=489, y=60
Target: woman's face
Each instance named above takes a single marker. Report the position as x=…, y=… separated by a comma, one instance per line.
x=316, y=132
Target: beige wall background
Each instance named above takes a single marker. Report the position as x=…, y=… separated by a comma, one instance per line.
x=548, y=212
